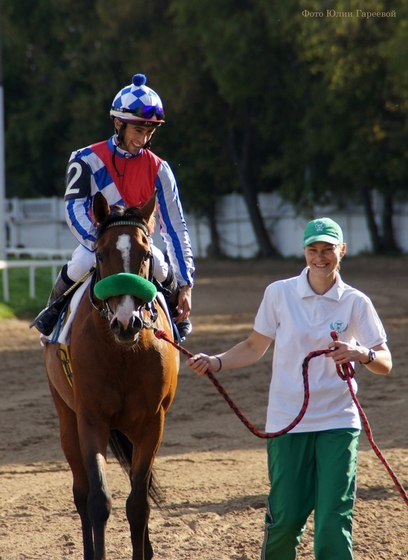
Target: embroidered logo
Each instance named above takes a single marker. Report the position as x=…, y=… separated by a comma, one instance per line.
x=338, y=326
x=319, y=226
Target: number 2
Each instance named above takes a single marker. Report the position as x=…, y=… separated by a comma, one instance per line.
x=76, y=167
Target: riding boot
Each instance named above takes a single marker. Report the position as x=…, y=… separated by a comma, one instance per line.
x=171, y=290
x=47, y=319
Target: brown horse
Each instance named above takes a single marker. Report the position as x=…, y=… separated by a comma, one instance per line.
x=124, y=378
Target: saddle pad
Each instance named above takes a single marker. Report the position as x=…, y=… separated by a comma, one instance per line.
x=65, y=334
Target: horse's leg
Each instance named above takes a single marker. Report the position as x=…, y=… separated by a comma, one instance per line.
x=138, y=512
x=71, y=449
x=94, y=437
x=137, y=504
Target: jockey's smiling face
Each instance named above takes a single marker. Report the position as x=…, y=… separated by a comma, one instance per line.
x=135, y=136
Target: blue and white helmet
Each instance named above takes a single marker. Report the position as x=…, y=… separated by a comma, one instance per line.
x=137, y=103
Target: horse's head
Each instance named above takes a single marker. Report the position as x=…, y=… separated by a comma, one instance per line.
x=124, y=266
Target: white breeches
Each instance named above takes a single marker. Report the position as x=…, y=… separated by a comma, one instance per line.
x=82, y=260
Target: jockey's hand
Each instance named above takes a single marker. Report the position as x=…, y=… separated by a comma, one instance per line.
x=184, y=304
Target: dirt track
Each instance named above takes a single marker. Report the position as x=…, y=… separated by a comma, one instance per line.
x=211, y=468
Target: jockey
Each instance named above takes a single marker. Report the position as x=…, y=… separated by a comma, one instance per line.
x=127, y=173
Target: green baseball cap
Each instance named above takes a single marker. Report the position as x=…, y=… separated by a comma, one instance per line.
x=322, y=229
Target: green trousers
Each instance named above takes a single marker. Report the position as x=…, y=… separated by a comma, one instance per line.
x=313, y=471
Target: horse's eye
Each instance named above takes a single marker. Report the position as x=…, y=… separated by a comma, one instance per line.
x=99, y=256
x=147, y=256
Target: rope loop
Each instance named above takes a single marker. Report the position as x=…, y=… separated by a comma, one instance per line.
x=345, y=371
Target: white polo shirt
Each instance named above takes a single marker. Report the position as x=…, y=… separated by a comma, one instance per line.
x=300, y=321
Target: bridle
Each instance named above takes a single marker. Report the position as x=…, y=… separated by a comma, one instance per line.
x=105, y=310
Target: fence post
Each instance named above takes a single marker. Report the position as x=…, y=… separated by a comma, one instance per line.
x=6, y=293
x=32, y=281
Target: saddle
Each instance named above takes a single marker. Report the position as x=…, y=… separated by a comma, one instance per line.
x=62, y=330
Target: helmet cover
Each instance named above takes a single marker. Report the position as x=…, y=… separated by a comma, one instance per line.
x=137, y=103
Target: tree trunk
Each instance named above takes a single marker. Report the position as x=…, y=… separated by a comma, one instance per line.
x=214, y=250
x=389, y=242
x=240, y=160
x=376, y=240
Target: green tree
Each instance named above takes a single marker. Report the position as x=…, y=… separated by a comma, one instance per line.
x=60, y=82
x=30, y=130
x=257, y=97
x=353, y=128
x=232, y=48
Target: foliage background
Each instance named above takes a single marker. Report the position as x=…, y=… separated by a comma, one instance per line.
x=305, y=97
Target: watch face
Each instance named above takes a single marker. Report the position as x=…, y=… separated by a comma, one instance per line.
x=371, y=355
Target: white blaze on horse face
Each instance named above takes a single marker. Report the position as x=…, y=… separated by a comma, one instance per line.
x=123, y=245
x=126, y=307
x=125, y=310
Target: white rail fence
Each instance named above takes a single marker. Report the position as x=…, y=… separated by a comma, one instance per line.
x=37, y=258
x=36, y=229
x=32, y=266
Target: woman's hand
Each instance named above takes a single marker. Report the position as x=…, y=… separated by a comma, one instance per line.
x=343, y=352
x=201, y=363
x=242, y=354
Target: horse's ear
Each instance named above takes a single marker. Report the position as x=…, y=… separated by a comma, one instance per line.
x=147, y=210
x=100, y=208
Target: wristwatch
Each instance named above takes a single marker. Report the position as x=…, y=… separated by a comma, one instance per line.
x=371, y=357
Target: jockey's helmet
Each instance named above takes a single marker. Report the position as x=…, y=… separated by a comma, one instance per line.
x=138, y=104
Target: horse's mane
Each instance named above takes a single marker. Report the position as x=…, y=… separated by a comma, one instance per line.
x=118, y=212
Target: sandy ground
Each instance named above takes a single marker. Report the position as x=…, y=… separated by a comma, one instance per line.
x=211, y=468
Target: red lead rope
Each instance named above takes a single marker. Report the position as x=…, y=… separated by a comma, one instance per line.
x=345, y=371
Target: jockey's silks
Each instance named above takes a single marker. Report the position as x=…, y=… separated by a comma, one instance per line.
x=134, y=177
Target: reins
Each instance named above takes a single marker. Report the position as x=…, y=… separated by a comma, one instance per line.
x=345, y=371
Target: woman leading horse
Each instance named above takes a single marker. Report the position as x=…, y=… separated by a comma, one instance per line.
x=124, y=378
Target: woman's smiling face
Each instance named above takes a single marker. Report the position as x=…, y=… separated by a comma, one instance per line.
x=323, y=258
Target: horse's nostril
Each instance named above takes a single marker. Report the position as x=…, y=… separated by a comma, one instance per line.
x=136, y=323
